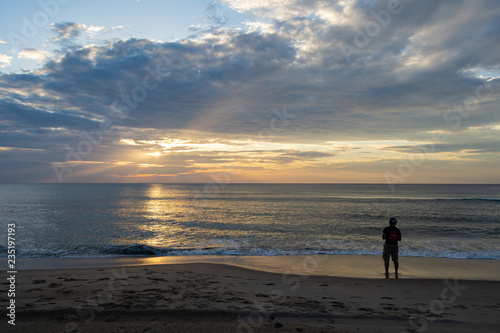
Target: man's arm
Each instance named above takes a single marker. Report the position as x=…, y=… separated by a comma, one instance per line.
x=383, y=235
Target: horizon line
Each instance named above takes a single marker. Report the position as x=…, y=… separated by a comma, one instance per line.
x=241, y=183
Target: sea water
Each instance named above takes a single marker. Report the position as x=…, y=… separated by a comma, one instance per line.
x=109, y=220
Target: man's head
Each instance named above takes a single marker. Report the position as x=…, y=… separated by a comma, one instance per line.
x=393, y=221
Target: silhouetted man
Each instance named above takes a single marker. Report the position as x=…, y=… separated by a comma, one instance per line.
x=392, y=236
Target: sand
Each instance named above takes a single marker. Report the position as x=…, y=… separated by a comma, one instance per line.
x=217, y=297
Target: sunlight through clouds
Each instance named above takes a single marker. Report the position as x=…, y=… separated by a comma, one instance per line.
x=332, y=91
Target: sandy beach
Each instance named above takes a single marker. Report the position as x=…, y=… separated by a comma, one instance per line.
x=218, y=297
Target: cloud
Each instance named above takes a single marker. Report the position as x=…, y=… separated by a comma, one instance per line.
x=485, y=147
x=67, y=31
x=215, y=100
x=285, y=9
x=93, y=31
x=309, y=155
x=5, y=60
x=33, y=54
x=230, y=81
x=128, y=142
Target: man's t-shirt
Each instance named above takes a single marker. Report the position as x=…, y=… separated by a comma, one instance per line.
x=387, y=231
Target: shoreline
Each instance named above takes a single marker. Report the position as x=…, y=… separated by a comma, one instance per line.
x=350, y=266
x=208, y=297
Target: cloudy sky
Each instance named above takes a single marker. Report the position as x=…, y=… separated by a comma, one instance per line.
x=316, y=91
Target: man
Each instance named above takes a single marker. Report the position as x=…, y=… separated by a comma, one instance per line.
x=392, y=236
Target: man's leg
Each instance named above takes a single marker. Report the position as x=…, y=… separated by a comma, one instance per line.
x=395, y=258
x=386, y=255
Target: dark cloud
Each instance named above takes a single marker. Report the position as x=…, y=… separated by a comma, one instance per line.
x=66, y=31
x=309, y=155
x=468, y=148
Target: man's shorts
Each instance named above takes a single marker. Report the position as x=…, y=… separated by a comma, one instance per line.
x=390, y=251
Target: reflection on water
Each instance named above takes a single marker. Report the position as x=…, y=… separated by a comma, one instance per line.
x=158, y=215
x=159, y=208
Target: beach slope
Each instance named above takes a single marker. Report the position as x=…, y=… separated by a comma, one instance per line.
x=208, y=297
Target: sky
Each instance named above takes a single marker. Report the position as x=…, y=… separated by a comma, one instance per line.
x=259, y=91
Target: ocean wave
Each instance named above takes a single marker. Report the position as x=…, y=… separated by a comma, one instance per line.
x=446, y=199
x=396, y=198
x=293, y=198
x=467, y=199
x=148, y=250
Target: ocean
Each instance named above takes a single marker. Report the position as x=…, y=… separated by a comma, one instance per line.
x=120, y=220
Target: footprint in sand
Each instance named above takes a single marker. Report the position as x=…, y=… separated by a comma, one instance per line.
x=392, y=308
x=340, y=305
x=366, y=309
x=64, y=291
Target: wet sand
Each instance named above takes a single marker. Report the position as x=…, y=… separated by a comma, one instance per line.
x=357, y=266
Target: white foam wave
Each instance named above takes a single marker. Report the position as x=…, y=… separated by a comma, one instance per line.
x=146, y=250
